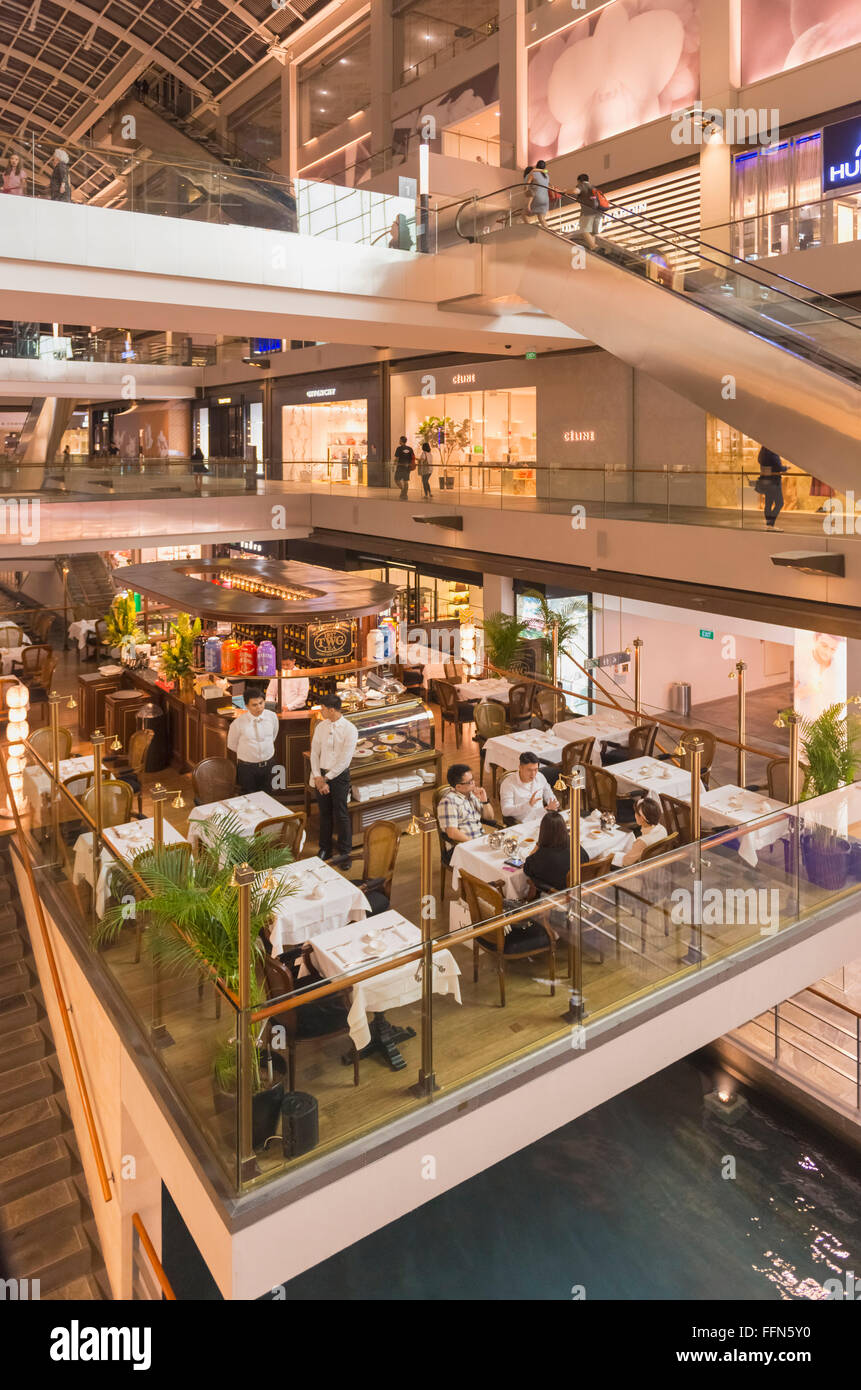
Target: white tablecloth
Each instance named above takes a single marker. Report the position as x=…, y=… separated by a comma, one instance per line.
x=484, y=690
x=9, y=655
x=302, y=916
x=653, y=776
x=339, y=949
x=477, y=858
x=37, y=783
x=732, y=805
x=79, y=630
x=603, y=726
x=128, y=840
x=505, y=750
x=249, y=810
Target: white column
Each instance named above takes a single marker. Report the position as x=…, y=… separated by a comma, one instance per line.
x=513, y=115
x=498, y=596
x=382, y=61
x=719, y=82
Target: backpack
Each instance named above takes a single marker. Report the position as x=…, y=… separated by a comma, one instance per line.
x=599, y=200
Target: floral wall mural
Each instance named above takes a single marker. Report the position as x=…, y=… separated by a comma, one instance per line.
x=634, y=62
x=781, y=34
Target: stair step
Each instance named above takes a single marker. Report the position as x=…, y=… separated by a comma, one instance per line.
x=57, y=1204
x=37, y=1166
x=12, y=947
x=8, y=891
x=26, y=1083
x=84, y=1289
x=8, y=918
x=26, y=1045
x=14, y=978
x=54, y=1259
x=29, y=1124
x=15, y=1011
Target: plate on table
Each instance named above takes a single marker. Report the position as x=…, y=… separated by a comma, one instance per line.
x=391, y=738
x=363, y=752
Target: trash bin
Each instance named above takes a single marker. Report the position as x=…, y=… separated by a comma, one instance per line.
x=152, y=716
x=681, y=698
x=299, y=1123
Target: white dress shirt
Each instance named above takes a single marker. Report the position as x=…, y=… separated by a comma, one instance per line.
x=294, y=691
x=332, y=747
x=514, y=796
x=647, y=837
x=252, y=737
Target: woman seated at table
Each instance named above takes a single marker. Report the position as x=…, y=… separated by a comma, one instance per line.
x=647, y=814
x=547, y=866
x=526, y=792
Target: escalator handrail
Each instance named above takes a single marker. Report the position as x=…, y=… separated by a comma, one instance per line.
x=699, y=245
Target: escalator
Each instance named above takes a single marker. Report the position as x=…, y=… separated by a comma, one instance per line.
x=772, y=357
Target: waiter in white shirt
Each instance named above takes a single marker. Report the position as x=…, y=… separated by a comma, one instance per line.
x=294, y=690
x=252, y=738
x=332, y=749
x=526, y=793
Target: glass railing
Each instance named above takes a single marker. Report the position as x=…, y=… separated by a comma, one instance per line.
x=814, y=1038
x=468, y=37
x=27, y=344
x=473, y=981
x=834, y=221
x=788, y=314
x=199, y=191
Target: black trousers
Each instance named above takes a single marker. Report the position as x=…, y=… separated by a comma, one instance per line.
x=773, y=502
x=334, y=815
x=254, y=777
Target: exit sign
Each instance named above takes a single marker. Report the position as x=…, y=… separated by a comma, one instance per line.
x=531, y=356
x=706, y=632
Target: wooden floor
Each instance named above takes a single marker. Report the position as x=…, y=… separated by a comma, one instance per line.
x=620, y=961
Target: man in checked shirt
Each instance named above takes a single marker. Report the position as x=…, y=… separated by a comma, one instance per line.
x=463, y=808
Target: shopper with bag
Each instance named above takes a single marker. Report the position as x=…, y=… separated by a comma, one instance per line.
x=593, y=205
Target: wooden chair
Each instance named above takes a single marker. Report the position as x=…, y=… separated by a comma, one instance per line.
x=117, y=800
x=602, y=790
x=709, y=746
x=641, y=744
x=380, y=846
x=677, y=818
x=79, y=783
x=520, y=705
x=532, y=939
x=454, y=711
x=10, y=636
x=548, y=707
x=660, y=847
x=139, y=743
x=578, y=752
x=446, y=848
x=32, y=660
x=777, y=776
x=214, y=779
x=412, y=678
x=285, y=831
x=41, y=624
x=42, y=743
x=490, y=718
x=453, y=671
x=280, y=981
x=97, y=642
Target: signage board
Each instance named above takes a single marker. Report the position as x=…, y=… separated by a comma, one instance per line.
x=841, y=155
x=608, y=659
x=327, y=642
x=706, y=632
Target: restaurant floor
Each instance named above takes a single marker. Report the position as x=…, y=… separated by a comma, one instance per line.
x=467, y=1039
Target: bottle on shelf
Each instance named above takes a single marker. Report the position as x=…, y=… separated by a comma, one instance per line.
x=248, y=658
x=267, y=661
x=212, y=654
x=230, y=657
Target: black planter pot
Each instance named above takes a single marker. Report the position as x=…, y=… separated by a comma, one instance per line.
x=265, y=1104
x=826, y=866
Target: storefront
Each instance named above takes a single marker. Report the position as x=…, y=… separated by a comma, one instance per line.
x=230, y=425
x=329, y=428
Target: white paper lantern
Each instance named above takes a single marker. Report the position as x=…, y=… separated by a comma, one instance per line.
x=17, y=697
x=16, y=759
x=18, y=715
x=17, y=785
x=17, y=733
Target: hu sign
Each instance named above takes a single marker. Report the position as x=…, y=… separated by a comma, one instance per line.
x=841, y=155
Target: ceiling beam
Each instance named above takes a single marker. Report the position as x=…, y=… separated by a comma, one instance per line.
x=152, y=54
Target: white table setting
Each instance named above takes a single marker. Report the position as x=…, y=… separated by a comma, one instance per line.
x=248, y=810
x=37, y=784
x=323, y=899
x=127, y=840
x=80, y=630
x=341, y=949
x=653, y=776
x=731, y=805
x=504, y=750
x=490, y=688
x=602, y=727
x=483, y=860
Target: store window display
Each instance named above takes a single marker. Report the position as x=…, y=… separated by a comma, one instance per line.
x=481, y=440
x=326, y=441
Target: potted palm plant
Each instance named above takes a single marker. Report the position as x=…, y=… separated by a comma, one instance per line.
x=832, y=758
x=191, y=914
x=177, y=656
x=121, y=621
x=503, y=636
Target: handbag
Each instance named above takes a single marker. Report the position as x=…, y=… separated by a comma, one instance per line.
x=760, y=486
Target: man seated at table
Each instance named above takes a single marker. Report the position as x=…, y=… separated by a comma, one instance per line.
x=522, y=795
x=647, y=814
x=463, y=810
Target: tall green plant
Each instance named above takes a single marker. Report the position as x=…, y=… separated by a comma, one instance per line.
x=503, y=634
x=122, y=621
x=177, y=658
x=566, y=619
x=444, y=435
x=831, y=750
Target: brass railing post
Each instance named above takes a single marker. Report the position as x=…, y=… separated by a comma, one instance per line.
x=741, y=777
x=65, y=607
x=98, y=746
x=694, y=747
x=553, y=677
x=638, y=674
x=427, y=826
x=575, y=781
x=158, y=1031
x=791, y=719
x=243, y=877
x=54, y=716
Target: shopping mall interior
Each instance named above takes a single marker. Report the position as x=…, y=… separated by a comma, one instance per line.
x=430, y=647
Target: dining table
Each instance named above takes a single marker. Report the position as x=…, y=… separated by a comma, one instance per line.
x=487, y=688
x=486, y=861
x=610, y=727
x=80, y=630
x=654, y=776
x=248, y=810
x=322, y=898
x=732, y=805
x=37, y=785
x=125, y=840
x=346, y=948
x=504, y=750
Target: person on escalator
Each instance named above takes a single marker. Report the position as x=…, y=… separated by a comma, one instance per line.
x=592, y=204
x=538, y=192
x=770, y=484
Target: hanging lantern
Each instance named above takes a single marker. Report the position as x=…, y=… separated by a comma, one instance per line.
x=16, y=759
x=18, y=715
x=17, y=733
x=17, y=697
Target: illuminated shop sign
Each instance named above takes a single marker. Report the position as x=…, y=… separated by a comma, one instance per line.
x=333, y=641
x=321, y=391
x=579, y=436
x=841, y=155
x=463, y=379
